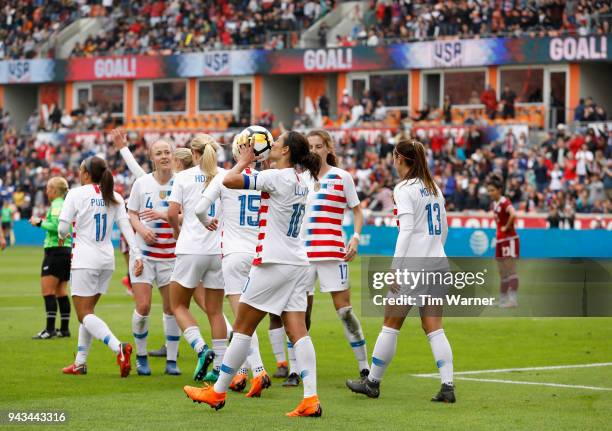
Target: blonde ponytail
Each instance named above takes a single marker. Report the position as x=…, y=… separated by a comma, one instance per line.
x=206, y=146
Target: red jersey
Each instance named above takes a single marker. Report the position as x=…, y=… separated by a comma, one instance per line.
x=500, y=210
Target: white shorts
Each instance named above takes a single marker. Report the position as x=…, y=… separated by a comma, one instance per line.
x=190, y=269
x=89, y=282
x=158, y=271
x=275, y=287
x=332, y=275
x=236, y=268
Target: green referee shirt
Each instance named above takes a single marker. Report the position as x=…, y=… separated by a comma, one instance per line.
x=7, y=214
x=51, y=223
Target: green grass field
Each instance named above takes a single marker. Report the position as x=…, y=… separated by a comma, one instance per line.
x=32, y=379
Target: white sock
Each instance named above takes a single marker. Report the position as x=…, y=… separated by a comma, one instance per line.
x=235, y=355
x=354, y=335
x=140, y=329
x=441, y=349
x=292, y=362
x=277, y=340
x=384, y=351
x=173, y=335
x=307, y=364
x=101, y=331
x=85, y=339
x=194, y=338
x=228, y=327
x=219, y=347
x=254, y=358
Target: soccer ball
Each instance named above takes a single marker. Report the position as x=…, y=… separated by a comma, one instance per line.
x=258, y=136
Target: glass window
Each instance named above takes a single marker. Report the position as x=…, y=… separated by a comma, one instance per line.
x=464, y=88
x=391, y=89
x=526, y=83
x=216, y=96
x=170, y=96
x=144, y=99
x=82, y=97
x=358, y=87
x=108, y=97
x=244, y=101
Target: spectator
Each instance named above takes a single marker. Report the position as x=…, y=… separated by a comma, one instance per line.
x=508, y=97
x=489, y=99
x=324, y=105
x=447, y=108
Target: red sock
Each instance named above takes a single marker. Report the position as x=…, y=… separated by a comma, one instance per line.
x=504, y=285
x=513, y=282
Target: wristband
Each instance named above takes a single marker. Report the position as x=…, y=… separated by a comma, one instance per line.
x=357, y=236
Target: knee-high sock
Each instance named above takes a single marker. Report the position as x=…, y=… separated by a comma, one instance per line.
x=99, y=329
x=194, y=338
x=85, y=339
x=140, y=330
x=277, y=340
x=384, y=351
x=173, y=335
x=51, y=311
x=219, y=347
x=513, y=282
x=354, y=335
x=64, y=308
x=292, y=361
x=504, y=285
x=307, y=365
x=441, y=349
x=235, y=355
x=254, y=358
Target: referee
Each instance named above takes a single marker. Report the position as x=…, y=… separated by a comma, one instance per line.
x=56, y=264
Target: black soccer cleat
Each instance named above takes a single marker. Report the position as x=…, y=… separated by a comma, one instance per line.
x=292, y=381
x=364, y=373
x=159, y=353
x=364, y=386
x=62, y=334
x=446, y=394
x=44, y=335
x=282, y=372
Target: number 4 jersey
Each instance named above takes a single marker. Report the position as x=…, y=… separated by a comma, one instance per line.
x=428, y=213
x=283, y=202
x=93, y=221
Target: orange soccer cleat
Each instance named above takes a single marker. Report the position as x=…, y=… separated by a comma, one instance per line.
x=75, y=369
x=206, y=395
x=239, y=382
x=258, y=384
x=309, y=407
x=123, y=359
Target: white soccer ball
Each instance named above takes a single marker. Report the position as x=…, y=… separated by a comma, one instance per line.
x=258, y=136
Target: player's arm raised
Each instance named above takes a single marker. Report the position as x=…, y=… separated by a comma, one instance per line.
x=234, y=178
x=120, y=140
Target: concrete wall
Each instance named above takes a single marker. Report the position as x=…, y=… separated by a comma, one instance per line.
x=281, y=94
x=20, y=101
x=595, y=82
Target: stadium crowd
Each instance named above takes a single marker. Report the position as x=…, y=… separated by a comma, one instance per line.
x=568, y=173
x=408, y=20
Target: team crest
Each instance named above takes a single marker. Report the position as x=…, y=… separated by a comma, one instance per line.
x=317, y=186
x=163, y=194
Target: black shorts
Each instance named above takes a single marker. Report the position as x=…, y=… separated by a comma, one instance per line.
x=6, y=227
x=57, y=263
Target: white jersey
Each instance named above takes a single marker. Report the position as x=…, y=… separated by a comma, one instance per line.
x=147, y=193
x=411, y=197
x=240, y=222
x=92, y=225
x=283, y=203
x=327, y=201
x=186, y=191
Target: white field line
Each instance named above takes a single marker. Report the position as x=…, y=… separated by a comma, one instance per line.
x=41, y=307
x=516, y=382
x=510, y=370
x=460, y=376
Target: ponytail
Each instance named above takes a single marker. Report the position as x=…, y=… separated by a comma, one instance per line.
x=412, y=152
x=98, y=170
x=300, y=153
x=206, y=146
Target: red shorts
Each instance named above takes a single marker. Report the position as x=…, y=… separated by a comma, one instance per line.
x=508, y=247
